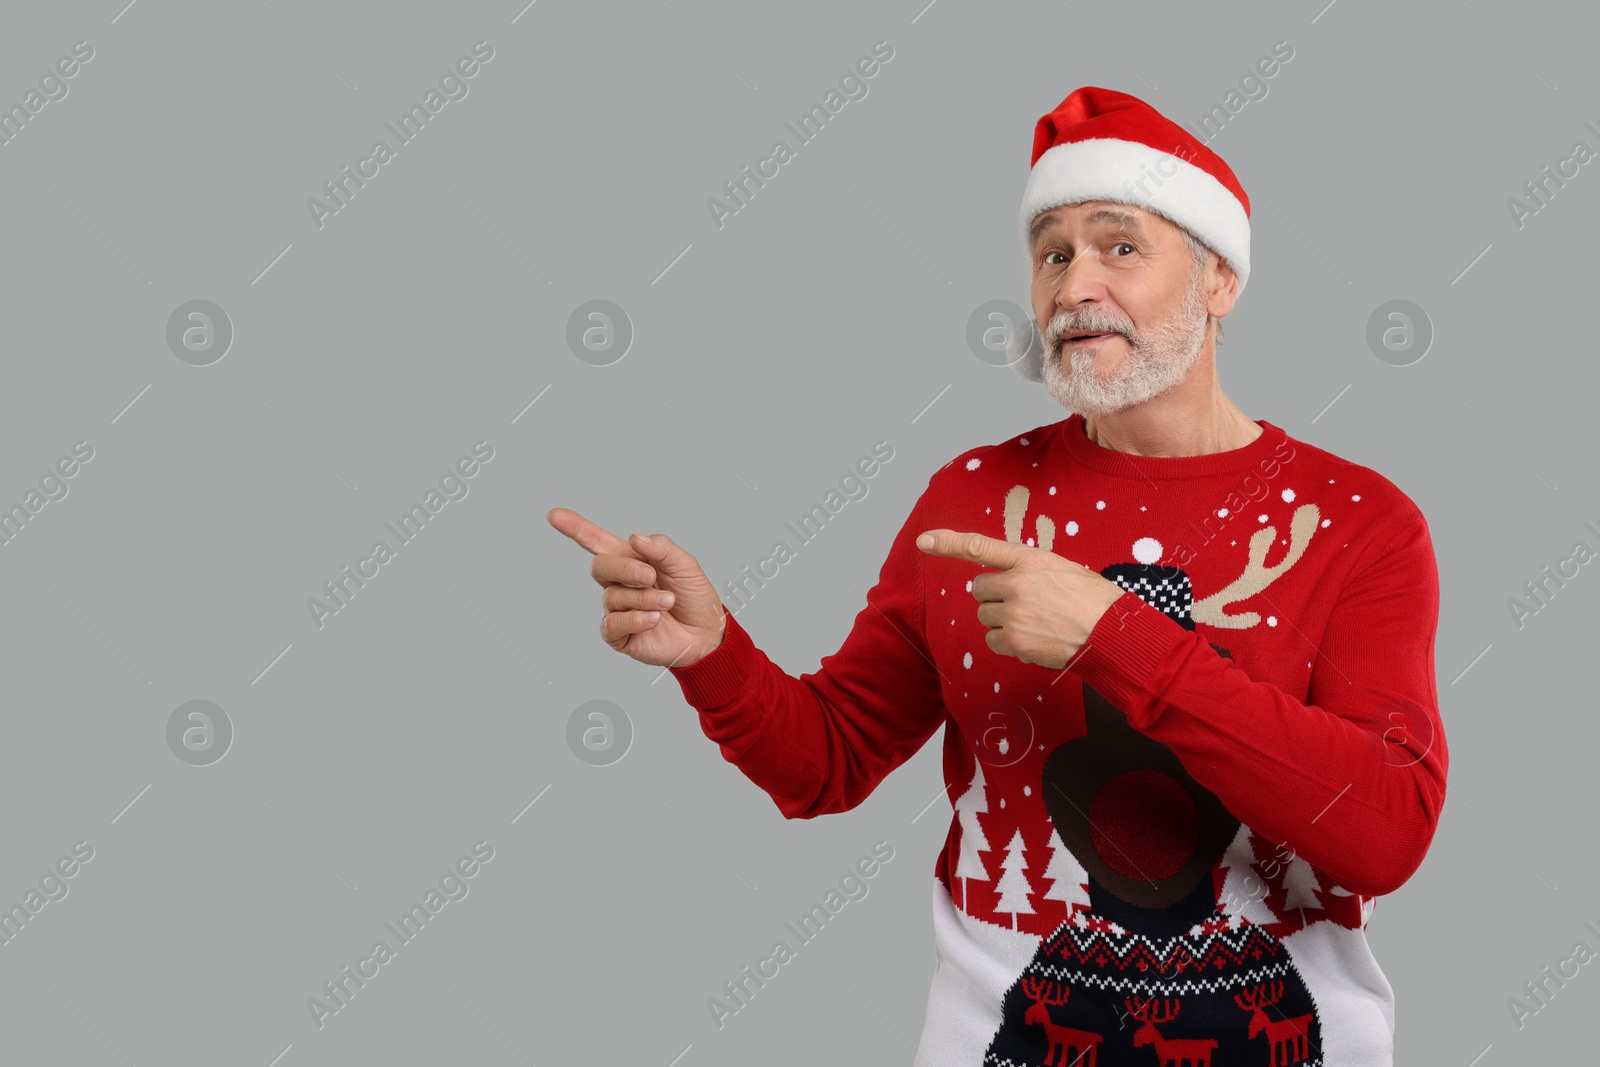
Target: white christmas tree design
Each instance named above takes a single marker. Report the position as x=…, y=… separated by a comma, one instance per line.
x=969, y=864
x=1243, y=889
x=1067, y=874
x=1300, y=887
x=1013, y=885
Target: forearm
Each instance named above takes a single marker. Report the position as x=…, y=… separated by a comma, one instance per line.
x=1352, y=792
x=816, y=744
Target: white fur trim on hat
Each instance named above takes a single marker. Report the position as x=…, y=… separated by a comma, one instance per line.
x=1104, y=168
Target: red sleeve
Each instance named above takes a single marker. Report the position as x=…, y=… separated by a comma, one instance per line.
x=1354, y=781
x=820, y=743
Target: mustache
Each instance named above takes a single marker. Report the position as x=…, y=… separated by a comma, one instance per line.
x=1064, y=323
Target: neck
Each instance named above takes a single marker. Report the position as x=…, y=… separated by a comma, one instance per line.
x=1192, y=419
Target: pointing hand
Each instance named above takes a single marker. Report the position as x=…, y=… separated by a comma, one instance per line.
x=1040, y=607
x=659, y=606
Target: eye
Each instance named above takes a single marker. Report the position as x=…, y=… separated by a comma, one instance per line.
x=1046, y=257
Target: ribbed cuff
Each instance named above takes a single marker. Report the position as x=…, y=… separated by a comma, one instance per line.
x=1130, y=644
x=719, y=677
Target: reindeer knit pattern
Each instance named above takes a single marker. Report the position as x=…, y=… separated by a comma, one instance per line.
x=1167, y=852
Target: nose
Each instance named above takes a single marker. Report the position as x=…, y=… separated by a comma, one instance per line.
x=1081, y=283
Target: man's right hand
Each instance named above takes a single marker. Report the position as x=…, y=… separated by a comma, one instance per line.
x=659, y=606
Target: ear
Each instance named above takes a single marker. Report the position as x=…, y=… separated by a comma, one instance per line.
x=1025, y=350
x=1225, y=290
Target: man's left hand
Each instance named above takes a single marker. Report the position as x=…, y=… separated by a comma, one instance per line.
x=1039, y=607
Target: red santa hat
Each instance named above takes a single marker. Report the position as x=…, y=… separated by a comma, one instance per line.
x=1099, y=144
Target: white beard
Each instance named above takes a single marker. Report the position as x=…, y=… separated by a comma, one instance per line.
x=1158, y=359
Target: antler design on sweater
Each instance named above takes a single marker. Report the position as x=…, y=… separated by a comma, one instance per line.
x=1209, y=610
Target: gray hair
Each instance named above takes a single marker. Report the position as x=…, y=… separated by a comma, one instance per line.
x=1201, y=254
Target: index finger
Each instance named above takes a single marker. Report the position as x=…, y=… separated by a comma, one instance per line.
x=590, y=535
x=976, y=547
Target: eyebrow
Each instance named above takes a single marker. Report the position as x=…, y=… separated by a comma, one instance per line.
x=1114, y=217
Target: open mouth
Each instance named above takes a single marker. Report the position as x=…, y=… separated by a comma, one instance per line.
x=1080, y=338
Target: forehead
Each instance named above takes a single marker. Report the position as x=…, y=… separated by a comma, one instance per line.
x=1092, y=213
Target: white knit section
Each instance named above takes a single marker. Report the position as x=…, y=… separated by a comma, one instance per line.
x=1104, y=168
x=978, y=962
x=1355, y=1002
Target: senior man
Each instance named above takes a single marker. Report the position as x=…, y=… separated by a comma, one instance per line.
x=1183, y=660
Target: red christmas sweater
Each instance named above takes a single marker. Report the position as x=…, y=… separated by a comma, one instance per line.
x=1177, y=840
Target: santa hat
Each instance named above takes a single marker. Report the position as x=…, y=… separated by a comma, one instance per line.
x=1099, y=144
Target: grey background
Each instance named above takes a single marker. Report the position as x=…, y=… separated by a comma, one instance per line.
x=768, y=355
